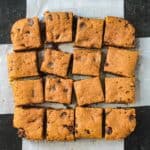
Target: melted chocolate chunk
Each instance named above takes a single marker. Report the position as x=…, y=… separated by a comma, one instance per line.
x=70, y=128
x=87, y=131
x=82, y=25
x=65, y=90
x=58, y=81
x=132, y=86
x=32, y=120
x=94, y=59
x=57, y=36
x=126, y=25
x=18, y=29
x=106, y=64
x=108, y=130
x=49, y=17
x=22, y=45
x=76, y=131
x=131, y=117
x=50, y=64
x=27, y=32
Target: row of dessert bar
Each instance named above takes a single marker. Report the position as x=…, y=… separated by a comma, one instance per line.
x=59, y=90
x=70, y=124
x=85, y=62
x=90, y=32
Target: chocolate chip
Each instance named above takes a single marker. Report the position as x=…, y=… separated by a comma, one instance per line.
x=106, y=64
x=32, y=120
x=52, y=88
x=120, y=87
x=119, y=20
x=82, y=25
x=49, y=17
x=63, y=114
x=108, y=130
x=30, y=22
x=94, y=59
x=27, y=32
x=18, y=30
x=58, y=81
x=129, y=99
x=127, y=92
x=65, y=90
x=67, y=15
x=21, y=132
x=131, y=117
x=57, y=36
x=132, y=86
x=70, y=128
x=76, y=131
x=22, y=45
x=50, y=64
x=87, y=131
x=126, y=25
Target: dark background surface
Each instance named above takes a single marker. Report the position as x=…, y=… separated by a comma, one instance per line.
x=138, y=13
x=140, y=139
x=10, y=11
x=8, y=135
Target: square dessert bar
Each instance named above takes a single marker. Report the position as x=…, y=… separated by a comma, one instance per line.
x=89, y=32
x=29, y=122
x=88, y=122
x=58, y=26
x=86, y=62
x=121, y=61
x=60, y=125
x=28, y=91
x=88, y=91
x=58, y=90
x=22, y=64
x=119, y=32
x=119, y=123
x=56, y=62
x=25, y=34
x=119, y=90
